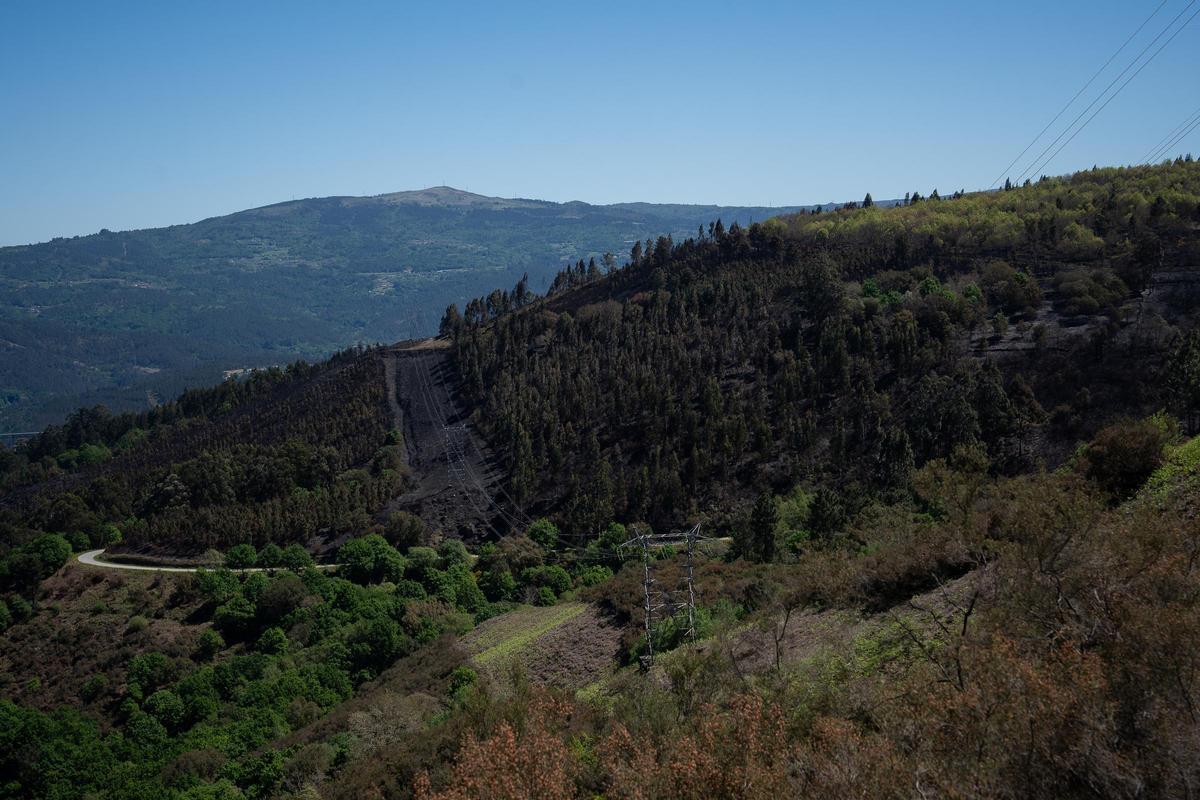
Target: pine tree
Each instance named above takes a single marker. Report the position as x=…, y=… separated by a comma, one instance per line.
x=763, y=520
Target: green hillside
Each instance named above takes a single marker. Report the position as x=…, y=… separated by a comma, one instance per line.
x=130, y=318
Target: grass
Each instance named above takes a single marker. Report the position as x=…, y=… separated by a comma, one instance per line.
x=1183, y=465
x=511, y=633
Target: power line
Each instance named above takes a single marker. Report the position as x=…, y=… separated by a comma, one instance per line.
x=455, y=462
x=1031, y=168
x=1163, y=141
x=518, y=514
x=453, y=445
x=660, y=603
x=1177, y=134
x=1077, y=94
x=1113, y=96
x=431, y=407
x=1180, y=138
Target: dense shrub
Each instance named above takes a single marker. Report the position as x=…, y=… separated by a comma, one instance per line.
x=1123, y=456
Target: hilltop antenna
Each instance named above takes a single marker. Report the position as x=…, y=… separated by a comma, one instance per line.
x=660, y=604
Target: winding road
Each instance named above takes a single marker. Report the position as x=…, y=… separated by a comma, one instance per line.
x=92, y=559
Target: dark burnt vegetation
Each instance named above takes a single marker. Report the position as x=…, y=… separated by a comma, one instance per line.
x=845, y=347
x=305, y=454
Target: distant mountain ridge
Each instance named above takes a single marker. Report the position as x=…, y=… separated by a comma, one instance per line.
x=122, y=318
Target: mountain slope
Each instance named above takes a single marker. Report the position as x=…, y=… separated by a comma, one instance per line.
x=944, y=442
x=845, y=347
x=129, y=317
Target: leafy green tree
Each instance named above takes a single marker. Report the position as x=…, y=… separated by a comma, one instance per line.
x=166, y=707
x=295, y=558
x=420, y=560
x=550, y=576
x=208, y=644
x=20, y=608
x=271, y=555
x=370, y=559
x=146, y=671
x=236, y=617
x=453, y=552
x=273, y=641
x=241, y=556
x=498, y=585
x=284, y=595
x=544, y=532
x=217, y=585
x=51, y=551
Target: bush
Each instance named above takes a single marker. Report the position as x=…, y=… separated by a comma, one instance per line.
x=404, y=530
x=550, y=576
x=94, y=687
x=1123, y=456
x=1090, y=291
x=546, y=597
x=498, y=585
x=1014, y=292
x=21, y=609
x=208, y=644
x=593, y=575
x=461, y=680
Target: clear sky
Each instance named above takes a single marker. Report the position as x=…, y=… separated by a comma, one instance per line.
x=132, y=115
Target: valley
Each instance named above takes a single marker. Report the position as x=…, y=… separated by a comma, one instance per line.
x=943, y=460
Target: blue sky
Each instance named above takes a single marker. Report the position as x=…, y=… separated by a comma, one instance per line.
x=133, y=115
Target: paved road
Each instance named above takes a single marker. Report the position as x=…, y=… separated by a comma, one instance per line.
x=91, y=558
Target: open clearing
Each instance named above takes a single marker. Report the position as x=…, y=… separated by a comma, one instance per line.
x=570, y=644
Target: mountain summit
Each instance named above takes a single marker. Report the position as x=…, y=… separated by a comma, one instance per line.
x=124, y=318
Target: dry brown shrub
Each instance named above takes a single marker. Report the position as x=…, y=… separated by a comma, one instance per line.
x=531, y=763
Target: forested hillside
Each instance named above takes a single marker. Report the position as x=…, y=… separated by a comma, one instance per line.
x=944, y=457
x=129, y=318
x=842, y=348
